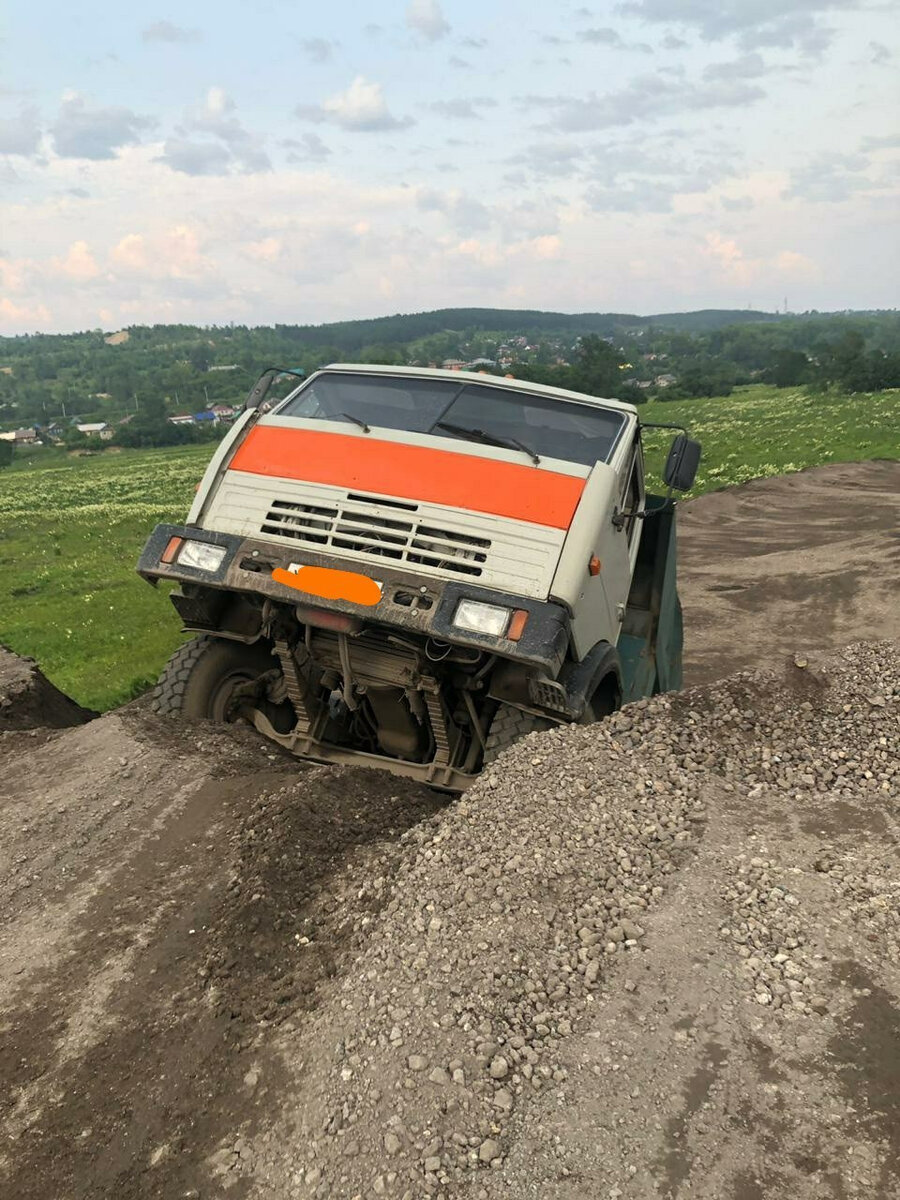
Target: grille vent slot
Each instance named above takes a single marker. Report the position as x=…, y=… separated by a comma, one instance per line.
x=361, y=525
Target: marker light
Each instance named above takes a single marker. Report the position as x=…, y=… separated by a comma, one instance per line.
x=517, y=624
x=173, y=545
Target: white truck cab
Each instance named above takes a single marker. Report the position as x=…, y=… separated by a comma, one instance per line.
x=409, y=567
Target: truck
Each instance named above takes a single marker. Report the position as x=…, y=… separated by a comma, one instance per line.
x=410, y=568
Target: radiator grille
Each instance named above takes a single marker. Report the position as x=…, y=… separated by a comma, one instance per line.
x=360, y=524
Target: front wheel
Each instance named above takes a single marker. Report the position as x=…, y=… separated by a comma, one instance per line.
x=511, y=724
x=200, y=679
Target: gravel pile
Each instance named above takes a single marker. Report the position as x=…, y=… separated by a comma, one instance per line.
x=768, y=933
x=514, y=907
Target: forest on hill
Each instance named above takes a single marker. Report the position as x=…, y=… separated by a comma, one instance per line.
x=139, y=377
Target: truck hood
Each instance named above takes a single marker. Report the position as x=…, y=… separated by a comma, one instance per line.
x=414, y=500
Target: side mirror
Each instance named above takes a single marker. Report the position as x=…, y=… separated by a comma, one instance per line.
x=260, y=389
x=682, y=464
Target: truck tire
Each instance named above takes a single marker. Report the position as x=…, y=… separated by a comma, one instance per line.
x=199, y=678
x=509, y=725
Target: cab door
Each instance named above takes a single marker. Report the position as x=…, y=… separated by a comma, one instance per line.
x=606, y=582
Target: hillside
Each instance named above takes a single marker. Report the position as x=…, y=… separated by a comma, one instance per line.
x=164, y=370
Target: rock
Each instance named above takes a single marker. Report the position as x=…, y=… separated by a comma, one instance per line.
x=489, y=1150
x=499, y=1067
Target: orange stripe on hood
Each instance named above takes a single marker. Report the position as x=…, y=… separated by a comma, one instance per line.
x=364, y=464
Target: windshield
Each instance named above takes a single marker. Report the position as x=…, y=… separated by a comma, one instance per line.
x=556, y=428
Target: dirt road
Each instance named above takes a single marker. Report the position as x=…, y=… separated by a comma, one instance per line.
x=799, y=562
x=194, y=930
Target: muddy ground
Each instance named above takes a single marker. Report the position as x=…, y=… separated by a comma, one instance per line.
x=176, y=903
x=799, y=562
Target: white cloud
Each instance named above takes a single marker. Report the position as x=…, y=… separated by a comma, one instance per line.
x=224, y=145
x=726, y=250
x=95, y=133
x=879, y=54
x=20, y=134
x=601, y=37
x=25, y=317
x=174, y=253
x=309, y=147
x=464, y=213
x=266, y=250
x=79, y=263
x=748, y=66
x=796, y=266
x=462, y=109
x=427, y=19
x=830, y=178
x=131, y=253
x=644, y=98
x=165, y=31
x=318, y=50
x=714, y=19
x=362, y=108
x=196, y=158
x=12, y=275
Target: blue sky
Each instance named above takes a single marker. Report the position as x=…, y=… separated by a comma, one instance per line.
x=299, y=163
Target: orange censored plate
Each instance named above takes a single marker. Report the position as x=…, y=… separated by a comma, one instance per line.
x=330, y=584
x=365, y=464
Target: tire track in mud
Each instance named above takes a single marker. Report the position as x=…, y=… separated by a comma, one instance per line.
x=127, y=1055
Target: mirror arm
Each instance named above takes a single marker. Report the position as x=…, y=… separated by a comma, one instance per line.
x=620, y=516
x=658, y=425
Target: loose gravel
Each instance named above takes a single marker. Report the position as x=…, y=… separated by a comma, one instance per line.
x=515, y=910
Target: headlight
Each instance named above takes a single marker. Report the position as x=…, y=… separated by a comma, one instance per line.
x=482, y=618
x=201, y=555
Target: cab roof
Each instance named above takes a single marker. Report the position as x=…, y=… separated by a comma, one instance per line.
x=515, y=385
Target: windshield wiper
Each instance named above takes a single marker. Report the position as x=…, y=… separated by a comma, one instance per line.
x=479, y=435
x=357, y=421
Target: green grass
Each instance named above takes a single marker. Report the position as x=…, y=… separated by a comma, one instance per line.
x=759, y=431
x=71, y=529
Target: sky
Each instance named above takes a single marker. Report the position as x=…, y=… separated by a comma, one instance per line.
x=300, y=163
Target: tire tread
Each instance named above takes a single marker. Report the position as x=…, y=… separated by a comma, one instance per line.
x=510, y=725
x=169, y=693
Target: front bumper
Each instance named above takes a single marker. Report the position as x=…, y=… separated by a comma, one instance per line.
x=411, y=603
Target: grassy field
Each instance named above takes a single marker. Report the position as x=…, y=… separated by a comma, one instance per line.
x=71, y=529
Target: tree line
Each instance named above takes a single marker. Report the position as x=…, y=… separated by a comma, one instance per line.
x=162, y=370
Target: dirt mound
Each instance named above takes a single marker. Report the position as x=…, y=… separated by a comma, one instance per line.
x=801, y=562
x=28, y=700
x=596, y=970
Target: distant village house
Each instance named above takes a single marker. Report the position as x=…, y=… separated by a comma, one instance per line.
x=20, y=437
x=97, y=429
